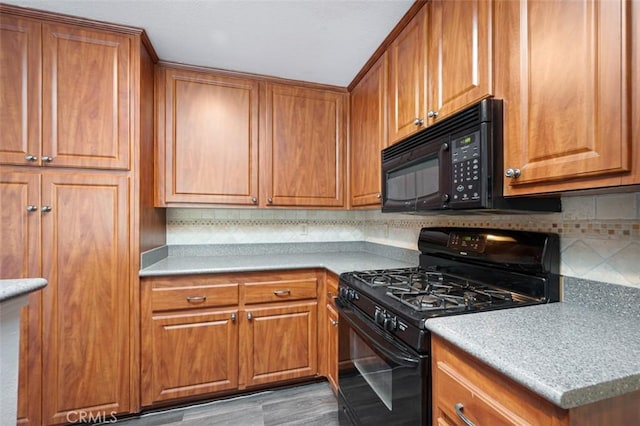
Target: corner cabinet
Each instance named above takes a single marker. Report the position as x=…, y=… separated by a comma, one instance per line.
x=466, y=391
x=77, y=120
x=304, y=146
x=368, y=129
x=207, y=138
x=564, y=70
x=234, y=331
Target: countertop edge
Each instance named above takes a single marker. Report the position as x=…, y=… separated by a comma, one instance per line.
x=12, y=288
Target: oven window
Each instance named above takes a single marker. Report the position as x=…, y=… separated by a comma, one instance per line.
x=373, y=369
x=416, y=181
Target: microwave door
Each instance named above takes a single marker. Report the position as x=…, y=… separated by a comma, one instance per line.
x=432, y=180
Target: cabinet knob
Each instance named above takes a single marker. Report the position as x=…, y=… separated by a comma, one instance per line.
x=270, y=200
x=47, y=159
x=432, y=114
x=254, y=200
x=329, y=294
x=334, y=323
x=378, y=195
x=30, y=157
x=512, y=173
x=233, y=317
x=418, y=121
x=249, y=316
x=31, y=208
x=46, y=209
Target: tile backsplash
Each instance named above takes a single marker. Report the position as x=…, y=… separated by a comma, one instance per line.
x=600, y=235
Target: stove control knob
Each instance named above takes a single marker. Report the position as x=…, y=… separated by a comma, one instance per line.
x=390, y=323
x=379, y=316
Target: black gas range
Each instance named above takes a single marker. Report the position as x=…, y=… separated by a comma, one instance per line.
x=384, y=343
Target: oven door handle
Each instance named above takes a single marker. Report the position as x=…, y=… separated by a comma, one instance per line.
x=396, y=352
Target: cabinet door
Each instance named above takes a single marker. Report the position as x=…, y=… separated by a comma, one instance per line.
x=408, y=79
x=20, y=258
x=86, y=309
x=279, y=343
x=563, y=70
x=459, y=55
x=191, y=354
x=304, y=150
x=20, y=94
x=368, y=127
x=208, y=138
x=85, y=98
x=332, y=347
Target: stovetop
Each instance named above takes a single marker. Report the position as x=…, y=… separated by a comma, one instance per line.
x=430, y=291
x=461, y=270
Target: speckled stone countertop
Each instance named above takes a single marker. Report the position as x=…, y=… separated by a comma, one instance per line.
x=335, y=262
x=567, y=353
x=17, y=287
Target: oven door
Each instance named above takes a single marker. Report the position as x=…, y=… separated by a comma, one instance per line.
x=380, y=379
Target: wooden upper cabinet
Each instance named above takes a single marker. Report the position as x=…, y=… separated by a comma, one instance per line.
x=20, y=89
x=563, y=69
x=304, y=145
x=368, y=134
x=407, y=87
x=65, y=97
x=207, y=138
x=459, y=49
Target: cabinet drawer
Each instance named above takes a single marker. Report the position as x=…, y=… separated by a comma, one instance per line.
x=332, y=289
x=186, y=297
x=455, y=390
x=281, y=290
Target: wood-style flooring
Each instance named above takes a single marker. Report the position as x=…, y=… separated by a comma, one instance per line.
x=310, y=405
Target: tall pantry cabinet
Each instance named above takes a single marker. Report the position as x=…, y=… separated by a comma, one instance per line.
x=76, y=189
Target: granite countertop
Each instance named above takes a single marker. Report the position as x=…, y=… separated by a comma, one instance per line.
x=336, y=262
x=566, y=353
x=17, y=287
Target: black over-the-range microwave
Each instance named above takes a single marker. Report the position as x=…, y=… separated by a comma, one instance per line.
x=454, y=165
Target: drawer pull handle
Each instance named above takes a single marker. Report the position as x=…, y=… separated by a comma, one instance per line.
x=196, y=299
x=334, y=323
x=282, y=292
x=459, y=407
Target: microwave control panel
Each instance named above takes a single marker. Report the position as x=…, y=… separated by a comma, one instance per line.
x=466, y=168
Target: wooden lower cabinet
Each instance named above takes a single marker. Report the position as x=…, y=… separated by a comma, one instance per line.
x=279, y=343
x=486, y=397
x=330, y=330
x=218, y=333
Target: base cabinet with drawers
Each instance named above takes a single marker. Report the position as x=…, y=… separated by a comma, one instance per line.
x=467, y=391
x=215, y=333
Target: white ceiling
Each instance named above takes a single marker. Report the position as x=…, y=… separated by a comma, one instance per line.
x=323, y=41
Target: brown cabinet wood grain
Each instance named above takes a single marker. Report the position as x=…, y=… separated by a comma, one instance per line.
x=407, y=87
x=85, y=306
x=304, y=146
x=564, y=71
x=207, y=138
x=81, y=93
x=459, y=49
x=66, y=101
x=233, y=320
x=20, y=89
x=189, y=336
x=279, y=343
x=368, y=129
x=20, y=257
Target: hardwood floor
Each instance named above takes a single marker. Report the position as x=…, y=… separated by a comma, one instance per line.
x=311, y=404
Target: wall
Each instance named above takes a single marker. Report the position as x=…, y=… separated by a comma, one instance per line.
x=600, y=235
